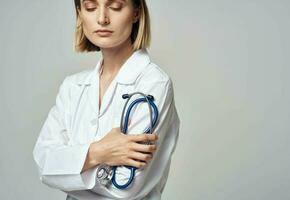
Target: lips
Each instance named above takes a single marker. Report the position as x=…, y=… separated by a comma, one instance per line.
x=104, y=31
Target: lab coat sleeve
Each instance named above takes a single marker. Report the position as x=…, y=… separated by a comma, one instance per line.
x=59, y=164
x=167, y=129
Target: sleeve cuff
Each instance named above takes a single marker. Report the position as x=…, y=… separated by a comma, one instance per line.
x=63, y=169
x=66, y=160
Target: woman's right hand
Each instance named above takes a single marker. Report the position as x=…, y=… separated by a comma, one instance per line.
x=117, y=148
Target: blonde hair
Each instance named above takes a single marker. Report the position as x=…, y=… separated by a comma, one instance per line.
x=140, y=35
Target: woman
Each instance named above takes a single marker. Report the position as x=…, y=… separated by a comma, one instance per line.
x=82, y=129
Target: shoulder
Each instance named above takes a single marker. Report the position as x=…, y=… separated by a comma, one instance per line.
x=72, y=82
x=78, y=77
x=155, y=80
x=154, y=74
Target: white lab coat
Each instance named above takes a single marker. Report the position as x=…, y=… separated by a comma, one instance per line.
x=74, y=122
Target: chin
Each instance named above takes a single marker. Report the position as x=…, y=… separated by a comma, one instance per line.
x=102, y=42
x=106, y=44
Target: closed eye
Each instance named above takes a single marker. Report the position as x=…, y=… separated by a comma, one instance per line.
x=117, y=9
x=90, y=9
x=90, y=6
x=116, y=6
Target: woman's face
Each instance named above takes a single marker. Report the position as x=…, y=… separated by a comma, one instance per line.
x=116, y=16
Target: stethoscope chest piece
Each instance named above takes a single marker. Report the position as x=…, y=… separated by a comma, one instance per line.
x=104, y=174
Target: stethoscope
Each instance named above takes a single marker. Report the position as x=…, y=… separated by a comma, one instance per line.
x=107, y=174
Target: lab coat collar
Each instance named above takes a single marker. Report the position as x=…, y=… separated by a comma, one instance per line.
x=129, y=71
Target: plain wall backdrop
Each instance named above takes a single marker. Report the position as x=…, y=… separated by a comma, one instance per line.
x=229, y=62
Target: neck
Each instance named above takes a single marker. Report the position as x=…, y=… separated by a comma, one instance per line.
x=114, y=58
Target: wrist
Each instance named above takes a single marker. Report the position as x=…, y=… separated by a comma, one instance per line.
x=95, y=154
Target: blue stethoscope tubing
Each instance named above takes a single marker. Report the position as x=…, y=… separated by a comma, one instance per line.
x=124, y=128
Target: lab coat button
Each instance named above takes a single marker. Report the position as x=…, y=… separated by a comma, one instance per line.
x=94, y=121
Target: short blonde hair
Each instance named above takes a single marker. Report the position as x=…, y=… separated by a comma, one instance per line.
x=140, y=36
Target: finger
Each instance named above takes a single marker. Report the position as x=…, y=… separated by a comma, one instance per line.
x=117, y=129
x=136, y=164
x=141, y=156
x=144, y=137
x=143, y=147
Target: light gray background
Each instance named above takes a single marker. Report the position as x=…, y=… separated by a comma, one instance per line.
x=228, y=61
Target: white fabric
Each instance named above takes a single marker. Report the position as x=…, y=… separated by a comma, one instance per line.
x=74, y=122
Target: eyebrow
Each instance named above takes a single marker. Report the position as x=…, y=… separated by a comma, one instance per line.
x=109, y=1
x=116, y=0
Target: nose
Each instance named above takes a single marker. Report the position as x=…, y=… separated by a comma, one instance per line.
x=102, y=16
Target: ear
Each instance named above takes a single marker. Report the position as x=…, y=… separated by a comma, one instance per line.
x=136, y=15
x=79, y=17
x=79, y=21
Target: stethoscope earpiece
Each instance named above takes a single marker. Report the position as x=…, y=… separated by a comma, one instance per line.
x=125, y=96
x=151, y=98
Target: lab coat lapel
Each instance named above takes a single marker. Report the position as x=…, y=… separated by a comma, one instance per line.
x=133, y=67
x=108, y=97
x=127, y=74
x=93, y=100
x=93, y=93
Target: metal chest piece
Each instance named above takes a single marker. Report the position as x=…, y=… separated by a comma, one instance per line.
x=104, y=174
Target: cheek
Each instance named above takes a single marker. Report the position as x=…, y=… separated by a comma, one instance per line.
x=88, y=22
x=88, y=25
x=124, y=26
